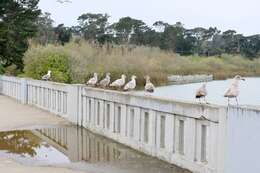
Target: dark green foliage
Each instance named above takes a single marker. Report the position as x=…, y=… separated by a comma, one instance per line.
x=39, y=60
x=17, y=25
x=1, y=69
x=63, y=34
x=45, y=28
x=92, y=26
x=250, y=46
x=175, y=38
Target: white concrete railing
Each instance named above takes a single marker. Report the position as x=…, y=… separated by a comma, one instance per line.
x=48, y=96
x=186, y=134
x=12, y=87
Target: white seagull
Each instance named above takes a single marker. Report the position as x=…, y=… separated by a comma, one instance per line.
x=119, y=82
x=131, y=84
x=93, y=81
x=149, y=87
x=202, y=93
x=47, y=76
x=105, y=82
x=233, y=91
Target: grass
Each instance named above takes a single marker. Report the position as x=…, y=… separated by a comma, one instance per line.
x=85, y=59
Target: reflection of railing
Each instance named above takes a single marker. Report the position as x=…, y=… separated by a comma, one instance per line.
x=57, y=135
x=186, y=134
x=80, y=144
x=98, y=149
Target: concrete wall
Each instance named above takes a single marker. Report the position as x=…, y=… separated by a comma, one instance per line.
x=243, y=140
x=178, y=79
x=186, y=134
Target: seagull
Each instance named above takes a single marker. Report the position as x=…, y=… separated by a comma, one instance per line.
x=105, y=82
x=233, y=91
x=47, y=76
x=119, y=82
x=131, y=84
x=93, y=81
x=149, y=87
x=64, y=1
x=202, y=93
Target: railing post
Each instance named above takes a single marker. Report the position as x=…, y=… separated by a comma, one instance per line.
x=222, y=139
x=24, y=94
x=74, y=92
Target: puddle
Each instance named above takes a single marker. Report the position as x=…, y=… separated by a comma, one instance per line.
x=77, y=148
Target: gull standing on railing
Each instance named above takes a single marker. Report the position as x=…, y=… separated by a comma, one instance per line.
x=47, y=76
x=93, y=81
x=131, y=84
x=149, y=87
x=201, y=93
x=105, y=82
x=233, y=90
x=119, y=82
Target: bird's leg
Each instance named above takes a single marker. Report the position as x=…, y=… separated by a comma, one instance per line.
x=205, y=100
x=228, y=101
x=237, y=101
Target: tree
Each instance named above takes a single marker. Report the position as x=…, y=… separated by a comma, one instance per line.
x=173, y=38
x=93, y=26
x=17, y=24
x=160, y=26
x=45, y=32
x=63, y=34
x=250, y=46
x=127, y=29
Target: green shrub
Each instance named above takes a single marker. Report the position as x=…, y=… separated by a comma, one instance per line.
x=76, y=62
x=1, y=69
x=38, y=60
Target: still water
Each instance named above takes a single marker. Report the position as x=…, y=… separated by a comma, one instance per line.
x=79, y=149
x=249, y=92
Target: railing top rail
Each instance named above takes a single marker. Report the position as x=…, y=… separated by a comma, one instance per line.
x=48, y=84
x=167, y=106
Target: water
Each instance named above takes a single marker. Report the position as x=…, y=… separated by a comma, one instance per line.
x=249, y=92
x=77, y=148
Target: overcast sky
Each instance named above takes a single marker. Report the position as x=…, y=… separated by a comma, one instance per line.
x=241, y=15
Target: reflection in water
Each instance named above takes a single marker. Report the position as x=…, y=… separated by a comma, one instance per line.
x=19, y=142
x=68, y=145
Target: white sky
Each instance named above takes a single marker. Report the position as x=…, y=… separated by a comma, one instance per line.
x=241, y=15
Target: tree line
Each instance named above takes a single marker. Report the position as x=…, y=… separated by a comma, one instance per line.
x=171, y=37
x=21, y=20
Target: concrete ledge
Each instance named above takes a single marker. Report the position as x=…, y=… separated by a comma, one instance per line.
x=188, y=109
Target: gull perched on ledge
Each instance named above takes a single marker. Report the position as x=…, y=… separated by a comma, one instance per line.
x=93, y=81
x=47, y=76
x=149, y=87
x=202, y=93
x=119, y=82
x=233, y=91
x=131, y=84
x=105, y=82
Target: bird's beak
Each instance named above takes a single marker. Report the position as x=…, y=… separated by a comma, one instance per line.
x=243, y=79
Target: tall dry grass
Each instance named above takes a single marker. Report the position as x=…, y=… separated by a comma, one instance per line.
x=85, y=59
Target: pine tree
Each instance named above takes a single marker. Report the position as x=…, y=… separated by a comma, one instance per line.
x=17, y=25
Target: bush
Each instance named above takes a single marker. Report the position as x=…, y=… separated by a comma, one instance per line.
x=77, y=61
x=38, y=60
x=1, y=69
